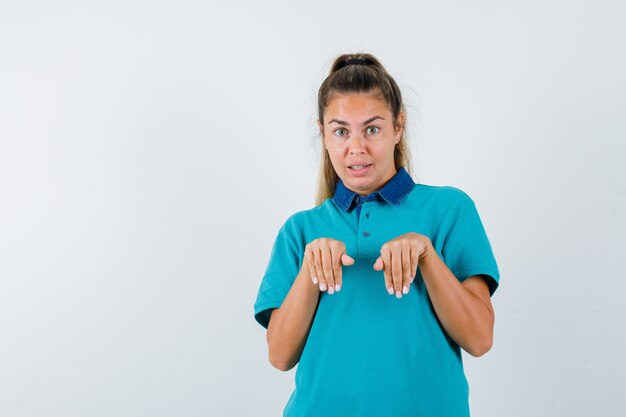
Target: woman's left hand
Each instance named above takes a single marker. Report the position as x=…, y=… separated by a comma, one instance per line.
x=399, y=259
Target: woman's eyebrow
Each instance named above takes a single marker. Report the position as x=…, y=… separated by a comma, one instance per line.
x=341, y=122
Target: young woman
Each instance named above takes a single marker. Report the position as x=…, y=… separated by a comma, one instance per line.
x=374, y=291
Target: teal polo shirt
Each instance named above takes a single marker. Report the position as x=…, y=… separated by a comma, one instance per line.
x=369, y=353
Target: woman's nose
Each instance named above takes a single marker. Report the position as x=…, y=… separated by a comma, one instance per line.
x=355, y=144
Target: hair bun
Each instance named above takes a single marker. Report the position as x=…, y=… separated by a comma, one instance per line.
x=354, y=61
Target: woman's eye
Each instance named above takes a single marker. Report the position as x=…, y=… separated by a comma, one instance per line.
x=372, y=130
x=340, y=131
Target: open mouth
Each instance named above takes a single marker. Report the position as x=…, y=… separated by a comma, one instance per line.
x=359, y=170
x=359, y=167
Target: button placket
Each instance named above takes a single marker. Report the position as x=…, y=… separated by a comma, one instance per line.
x=365, y=232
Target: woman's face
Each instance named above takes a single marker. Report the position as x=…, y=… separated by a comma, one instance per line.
x=360, y=138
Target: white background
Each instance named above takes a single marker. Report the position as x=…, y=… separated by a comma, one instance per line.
x=150, y=150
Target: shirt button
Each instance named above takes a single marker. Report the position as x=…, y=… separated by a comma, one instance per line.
x=357, y=199
x=366, y=234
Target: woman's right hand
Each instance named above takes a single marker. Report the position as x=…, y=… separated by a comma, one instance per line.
x=324, y=258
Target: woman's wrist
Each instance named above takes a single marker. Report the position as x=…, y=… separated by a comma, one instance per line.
x=428, y=250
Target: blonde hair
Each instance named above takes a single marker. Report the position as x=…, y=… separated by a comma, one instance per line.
x=362, y=78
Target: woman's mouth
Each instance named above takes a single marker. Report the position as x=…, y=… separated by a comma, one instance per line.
x=359, y=169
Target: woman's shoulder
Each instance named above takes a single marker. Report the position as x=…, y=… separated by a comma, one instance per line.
x=441, y=193
x=304, y=217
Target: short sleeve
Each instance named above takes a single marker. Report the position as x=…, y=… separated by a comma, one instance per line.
x=466, y=249
x=281, y=272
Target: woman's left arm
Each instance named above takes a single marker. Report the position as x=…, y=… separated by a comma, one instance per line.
x=464, y=309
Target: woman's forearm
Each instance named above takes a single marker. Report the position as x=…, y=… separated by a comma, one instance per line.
x=289, y=325
x=464, y=316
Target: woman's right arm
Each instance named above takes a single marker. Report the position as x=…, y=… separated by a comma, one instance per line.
x=289, y=325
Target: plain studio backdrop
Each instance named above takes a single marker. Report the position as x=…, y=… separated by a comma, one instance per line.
x=150, y=151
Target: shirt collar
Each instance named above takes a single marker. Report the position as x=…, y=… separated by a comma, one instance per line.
x=393, y=192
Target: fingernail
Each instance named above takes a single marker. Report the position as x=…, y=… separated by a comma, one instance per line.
x=322, y=287
x=405, y=290
x=398, y=295
x=337, y=287
x=314, y=280
x=390, y=290
x=330, y=290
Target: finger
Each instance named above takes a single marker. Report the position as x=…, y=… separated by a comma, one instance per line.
x=337, y=254
x=414, y=255
x=319, y=271
x=308, y=255
x=386, y=260
x=327, y=266
x=378, y=265
x=346, y=260
x=396, y=271
x=406, y=268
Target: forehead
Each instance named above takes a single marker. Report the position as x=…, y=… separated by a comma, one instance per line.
x=356, y=106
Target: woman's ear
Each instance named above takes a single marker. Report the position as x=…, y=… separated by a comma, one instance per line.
x=321, y=128
x=399, y=125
